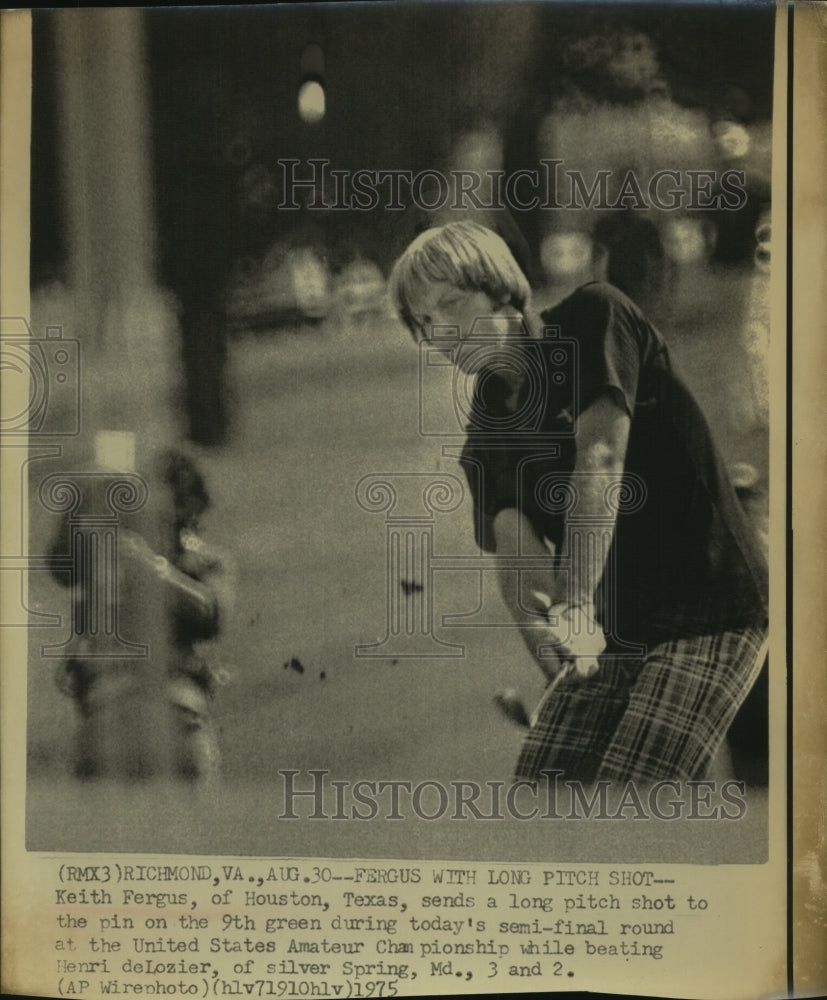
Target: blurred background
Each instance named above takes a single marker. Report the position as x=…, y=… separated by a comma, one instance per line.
x=258, y=340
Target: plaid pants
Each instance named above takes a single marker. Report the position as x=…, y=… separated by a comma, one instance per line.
x=660, y=718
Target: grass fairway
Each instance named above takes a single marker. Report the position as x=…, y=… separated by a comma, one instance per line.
x=316, y=410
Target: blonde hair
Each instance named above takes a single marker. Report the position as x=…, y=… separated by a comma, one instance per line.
x=463, y=254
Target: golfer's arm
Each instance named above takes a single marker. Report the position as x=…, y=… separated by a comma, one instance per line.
x=514, y=535
x=602, y=438
x=601, y=442
x=522, y=588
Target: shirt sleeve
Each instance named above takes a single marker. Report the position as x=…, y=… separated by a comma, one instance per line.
x=612, y=334
x=612, y=337
x=500, y=478
x=491, y=475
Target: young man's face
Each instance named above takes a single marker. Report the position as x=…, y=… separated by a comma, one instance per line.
x=468, y=326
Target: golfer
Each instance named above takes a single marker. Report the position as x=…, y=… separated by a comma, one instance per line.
x=639, y=589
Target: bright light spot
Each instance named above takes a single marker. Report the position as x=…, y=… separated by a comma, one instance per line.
x=684, y=241
x=565, y=254
x=732, y=140
x=311, y=102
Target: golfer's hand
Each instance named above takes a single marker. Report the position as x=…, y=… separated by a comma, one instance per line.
x=571, y=635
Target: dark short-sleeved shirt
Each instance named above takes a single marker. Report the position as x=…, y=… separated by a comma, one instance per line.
x=682, y=559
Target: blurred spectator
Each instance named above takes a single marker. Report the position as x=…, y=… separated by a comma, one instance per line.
x=635, y=260
x=744, y=145
x=615, y=65
x=194, y=585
